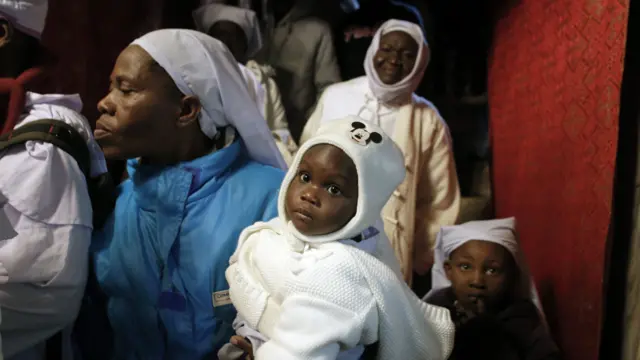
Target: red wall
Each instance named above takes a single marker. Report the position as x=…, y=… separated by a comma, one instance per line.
x=86, y=38
x=554, y=89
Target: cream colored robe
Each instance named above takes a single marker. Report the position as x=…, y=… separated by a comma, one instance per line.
x=429, y=197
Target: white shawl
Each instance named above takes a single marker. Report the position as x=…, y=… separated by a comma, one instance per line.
x=405, y=87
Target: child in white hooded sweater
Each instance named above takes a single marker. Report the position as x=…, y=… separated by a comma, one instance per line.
x=319, y=282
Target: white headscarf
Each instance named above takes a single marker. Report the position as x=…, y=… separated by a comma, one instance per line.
x=202, y=66
x=499, y=231
x=208, y=15
x=388, y=93
x=28, y=16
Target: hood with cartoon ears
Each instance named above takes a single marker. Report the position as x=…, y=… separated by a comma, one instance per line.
x=379, y=164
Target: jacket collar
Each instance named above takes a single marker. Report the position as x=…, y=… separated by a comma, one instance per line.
x=193, y=178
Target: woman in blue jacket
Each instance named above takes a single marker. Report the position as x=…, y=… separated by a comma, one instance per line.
x=202, y=166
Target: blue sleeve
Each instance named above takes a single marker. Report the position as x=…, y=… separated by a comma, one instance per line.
x=271, y=209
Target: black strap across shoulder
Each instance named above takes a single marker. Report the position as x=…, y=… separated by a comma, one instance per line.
x=56, y=132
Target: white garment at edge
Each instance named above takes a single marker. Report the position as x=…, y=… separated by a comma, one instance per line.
x=315, y=296
x=45, y=231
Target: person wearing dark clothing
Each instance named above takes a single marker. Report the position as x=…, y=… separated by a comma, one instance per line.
x=514, y=333
x=300, y=47
x=480, y=275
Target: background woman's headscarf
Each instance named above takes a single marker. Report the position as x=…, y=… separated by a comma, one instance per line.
x=202, y=66
x=389, y=93
x=499, y=231
x=208, y=15
x=27, y=15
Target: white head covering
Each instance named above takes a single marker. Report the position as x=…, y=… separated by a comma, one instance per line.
x=499, y=231
x=202, y=66
x=28, y=16
x=379, y=164
x=208, y=15
x=406, y=86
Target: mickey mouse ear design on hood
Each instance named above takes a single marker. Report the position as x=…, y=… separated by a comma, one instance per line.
x=379, y=163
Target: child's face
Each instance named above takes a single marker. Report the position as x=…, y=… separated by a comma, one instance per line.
x=323, y=196
x=480, y=271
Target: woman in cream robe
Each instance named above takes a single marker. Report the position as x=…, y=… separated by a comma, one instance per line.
x=429, y=197
x=239, y=30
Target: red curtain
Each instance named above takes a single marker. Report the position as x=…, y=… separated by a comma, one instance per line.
x=554, y=88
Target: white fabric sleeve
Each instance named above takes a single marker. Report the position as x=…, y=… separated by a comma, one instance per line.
x=44, y=274
x=311, y=328
x=242, y=328
x=43, y=255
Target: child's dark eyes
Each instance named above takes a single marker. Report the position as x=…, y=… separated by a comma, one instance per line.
x=464, y=266
x=334, y=190
x=304, y=177
x=492, y=271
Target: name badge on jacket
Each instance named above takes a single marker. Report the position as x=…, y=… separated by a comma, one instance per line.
x=221, y=298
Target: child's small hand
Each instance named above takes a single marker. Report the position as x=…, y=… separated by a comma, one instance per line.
x=480, y=306
x=243, y=344
x=466, y=314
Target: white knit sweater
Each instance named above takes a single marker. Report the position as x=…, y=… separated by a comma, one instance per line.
x=312, y=300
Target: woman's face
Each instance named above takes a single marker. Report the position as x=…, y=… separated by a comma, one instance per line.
x=232, y=35
x=396, y=57
x=139, y=115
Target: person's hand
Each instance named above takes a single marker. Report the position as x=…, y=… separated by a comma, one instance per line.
x=466, y=314
x=243, y=344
